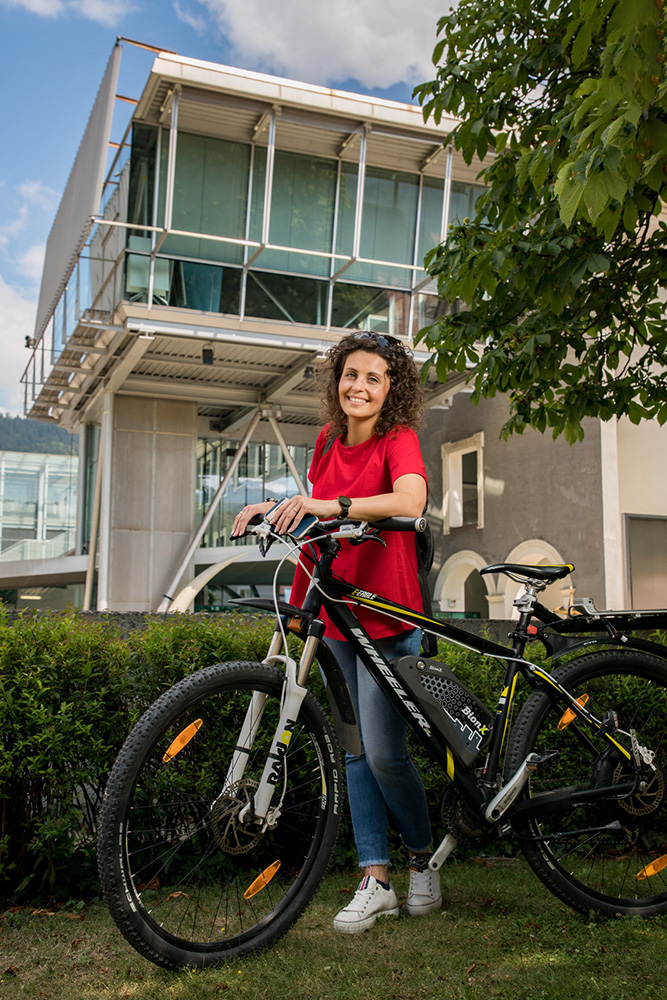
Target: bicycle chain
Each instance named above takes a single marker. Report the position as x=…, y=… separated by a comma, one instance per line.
x=457, y=818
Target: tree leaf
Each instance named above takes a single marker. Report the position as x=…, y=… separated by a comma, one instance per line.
x=569, y=200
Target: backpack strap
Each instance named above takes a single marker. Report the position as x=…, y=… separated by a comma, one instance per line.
x=424, y=548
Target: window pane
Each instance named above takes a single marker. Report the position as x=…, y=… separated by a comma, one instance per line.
x=302, y=209
x=257, y=196
x=142, y=175
x=388, y=224
x=428, y=308
x=647, y=543
x=210, y=196
x=206, y=287
x=431, y=216
x=285, y=297
x=359, y=307
x=469, y=487
x=347, y=206
x=462, y=202
x=261, y=472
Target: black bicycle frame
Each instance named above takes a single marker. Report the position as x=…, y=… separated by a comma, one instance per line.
x=337, y=600
x=337, y=597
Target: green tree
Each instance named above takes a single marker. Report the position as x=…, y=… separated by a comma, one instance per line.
x=560, y=275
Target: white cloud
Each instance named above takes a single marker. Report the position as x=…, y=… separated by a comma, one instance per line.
x=15, y=226
x=105, y=12
x=17, y=321
x=44, y=8
x=195, y=21
x=377, y=42
x=31, y=262
x=33, y=196
x=41, y=195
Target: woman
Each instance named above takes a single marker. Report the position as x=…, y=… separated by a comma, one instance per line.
x=368, y=453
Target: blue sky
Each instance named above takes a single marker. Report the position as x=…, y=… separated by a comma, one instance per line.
x=52, y=58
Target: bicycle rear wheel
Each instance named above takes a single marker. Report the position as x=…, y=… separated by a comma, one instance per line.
x=187, y=883
x=609, y=856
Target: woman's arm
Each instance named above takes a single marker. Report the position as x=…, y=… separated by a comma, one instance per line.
x=407, y=500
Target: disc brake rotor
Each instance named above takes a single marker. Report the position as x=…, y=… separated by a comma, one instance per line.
x=648, y=797
x=232, y=836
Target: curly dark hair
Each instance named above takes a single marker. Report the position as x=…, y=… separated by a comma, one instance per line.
x=404, y=405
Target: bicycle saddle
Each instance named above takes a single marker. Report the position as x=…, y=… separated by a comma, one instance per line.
x=546, y=573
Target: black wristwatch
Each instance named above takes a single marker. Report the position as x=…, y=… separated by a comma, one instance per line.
x=345, y=504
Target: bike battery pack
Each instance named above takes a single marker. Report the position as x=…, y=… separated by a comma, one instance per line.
x=462, y=720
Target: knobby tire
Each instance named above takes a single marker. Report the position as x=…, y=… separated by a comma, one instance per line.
x=598, y=871
x=178, y=871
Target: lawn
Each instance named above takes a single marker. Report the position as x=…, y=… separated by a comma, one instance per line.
x=499, y=933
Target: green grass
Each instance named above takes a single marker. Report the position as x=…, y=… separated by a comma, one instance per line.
x=499, y=934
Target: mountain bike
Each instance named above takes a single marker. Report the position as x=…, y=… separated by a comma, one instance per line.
x=222, y=809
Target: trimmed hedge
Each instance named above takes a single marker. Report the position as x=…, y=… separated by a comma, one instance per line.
x=70, y=691
x=71, y=688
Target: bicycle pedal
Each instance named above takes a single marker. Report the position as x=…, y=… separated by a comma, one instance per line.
x=545, y=759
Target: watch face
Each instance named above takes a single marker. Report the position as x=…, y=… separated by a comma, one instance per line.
x=345, y=504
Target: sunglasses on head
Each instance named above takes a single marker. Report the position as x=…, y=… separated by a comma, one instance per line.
x=381, y=338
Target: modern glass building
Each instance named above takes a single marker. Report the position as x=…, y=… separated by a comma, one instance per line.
x=38, y=506
x=189, y=290
x=38, y=497
x=193, y=279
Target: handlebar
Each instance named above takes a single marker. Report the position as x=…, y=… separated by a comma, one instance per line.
x=336, y=527
x=417, y=524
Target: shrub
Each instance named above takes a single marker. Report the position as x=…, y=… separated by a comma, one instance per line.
x=71, y=687
x=70, y=690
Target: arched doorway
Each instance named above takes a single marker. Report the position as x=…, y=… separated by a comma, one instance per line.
x=537, y=552
x=459, y=589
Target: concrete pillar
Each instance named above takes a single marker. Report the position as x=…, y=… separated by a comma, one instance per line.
x=497, y=608
x=152, y=501
x=612, y=527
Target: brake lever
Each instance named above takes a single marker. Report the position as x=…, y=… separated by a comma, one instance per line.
x=370, y=536
x=265, y=543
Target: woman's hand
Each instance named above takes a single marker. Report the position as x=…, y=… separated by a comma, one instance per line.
x=293, y=510
x=243, y=518
x=287, y=515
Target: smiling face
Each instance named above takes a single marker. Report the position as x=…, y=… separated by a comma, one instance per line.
x=363, y=388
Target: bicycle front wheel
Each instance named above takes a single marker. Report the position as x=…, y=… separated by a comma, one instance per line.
x=608, y=855
x=188, y=882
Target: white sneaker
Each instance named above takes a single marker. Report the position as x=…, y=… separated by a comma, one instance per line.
x=371, y=900
x=424, y=894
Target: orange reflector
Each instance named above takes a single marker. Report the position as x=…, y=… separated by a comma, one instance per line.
x=261, y=881
x=653, y=869
x=570, y=714
x=182, y=740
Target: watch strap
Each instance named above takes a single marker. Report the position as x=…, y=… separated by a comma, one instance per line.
x=345, y=504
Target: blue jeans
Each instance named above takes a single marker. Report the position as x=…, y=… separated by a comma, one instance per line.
x=383, y=776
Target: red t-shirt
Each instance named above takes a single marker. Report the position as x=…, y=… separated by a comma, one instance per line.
x=367, y=470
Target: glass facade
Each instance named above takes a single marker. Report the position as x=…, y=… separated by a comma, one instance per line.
x=261, y=473
x=38, y=498
x=320, y=252
x=324, y=252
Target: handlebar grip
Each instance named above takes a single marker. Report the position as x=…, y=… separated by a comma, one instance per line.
x=417, y=524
